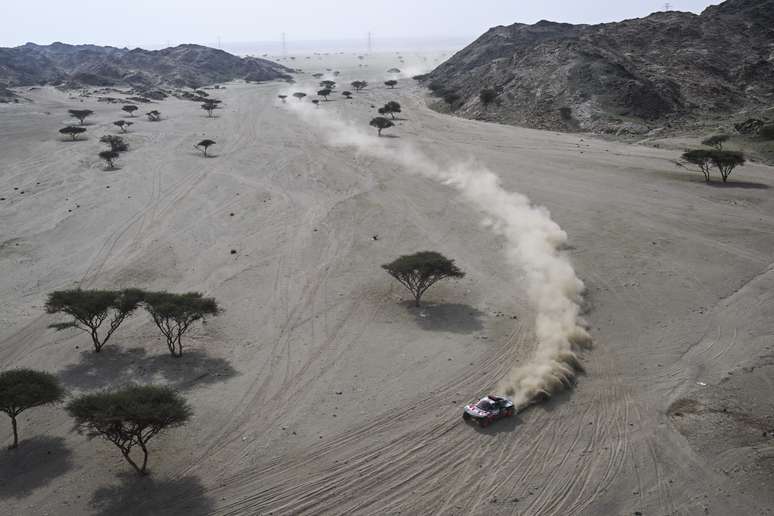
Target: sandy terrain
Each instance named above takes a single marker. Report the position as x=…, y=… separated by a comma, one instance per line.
x=320, y=389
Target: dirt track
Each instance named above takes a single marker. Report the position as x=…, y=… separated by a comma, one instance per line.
x=320, y=390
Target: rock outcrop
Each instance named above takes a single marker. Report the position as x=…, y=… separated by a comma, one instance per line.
x=668, y=68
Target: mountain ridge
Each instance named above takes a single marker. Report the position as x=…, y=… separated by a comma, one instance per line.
x=663, y=69
x=186, y=65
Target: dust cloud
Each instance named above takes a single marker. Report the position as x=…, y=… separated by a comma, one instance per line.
x=534, y=243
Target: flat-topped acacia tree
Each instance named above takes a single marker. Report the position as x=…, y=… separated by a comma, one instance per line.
x=390, y=108
x=109, y=157
x=89, y=309
x=381, y=123
x=129, y=109
x=22, y=389
x=283, y=98
x=347, y=94
x=154, y=115
x=420, y=271
x=727, y=161
x=123, y=125
x=324, y=93
x=391, y=83
x=211, y=105
x=130, y=417
x=328, y=85
x=73, y=131
x=80, y=114
x=116, y=143
x=716, y=141
x=204, y=145
x=702, y=159
x=299, y=95
x=358, y=85
x=174, y=314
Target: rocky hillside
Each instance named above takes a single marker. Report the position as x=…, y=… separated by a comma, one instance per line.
x=89, y=65
x=668, y=69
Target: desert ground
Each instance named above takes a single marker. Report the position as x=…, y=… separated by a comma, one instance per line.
x=321, y=389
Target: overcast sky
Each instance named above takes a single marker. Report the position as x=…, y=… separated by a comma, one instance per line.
x=153, y=22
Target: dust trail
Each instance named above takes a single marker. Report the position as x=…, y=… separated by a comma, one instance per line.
x=534, y=243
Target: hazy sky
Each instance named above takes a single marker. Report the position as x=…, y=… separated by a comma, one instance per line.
x=146, y=22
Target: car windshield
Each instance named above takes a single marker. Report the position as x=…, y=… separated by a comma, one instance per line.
x=485, y=405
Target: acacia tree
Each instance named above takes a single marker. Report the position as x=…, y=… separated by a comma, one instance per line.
x=129, y=109
x=72, y=131
x=299, y=95
x=487, y=96
x=80, y=114
x=109, y=157
x=390, y=108
x=359, y=85
x=391, y=83
x=210, y=105
x=702, y=158
x=324, y=94
x=153, y=116
x=716, y=141
x=727, y=161
x=123, y=125
x=283, y=98
x=130, y=417
x=381, y=123
x=21, y=389
x=116, y=143
x=420, y=271
x=204, y=145
x=90, y=308
x=316, y=103
x=347, y=94
x=328, y=85
x=174, y=314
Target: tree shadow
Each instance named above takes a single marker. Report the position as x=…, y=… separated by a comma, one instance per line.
x=148, y=496
x=35, y=463
x=449, y=317
x=696, y=178
x=114, y=366
x=739, y=184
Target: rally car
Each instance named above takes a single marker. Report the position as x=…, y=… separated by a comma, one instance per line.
x=488, y=410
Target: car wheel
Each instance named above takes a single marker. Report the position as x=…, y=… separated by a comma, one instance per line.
x=466, y=416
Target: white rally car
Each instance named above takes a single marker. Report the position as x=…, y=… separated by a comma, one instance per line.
x=488, y=410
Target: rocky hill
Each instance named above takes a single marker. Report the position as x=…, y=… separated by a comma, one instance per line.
x=670, y=68
x=89, y=65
